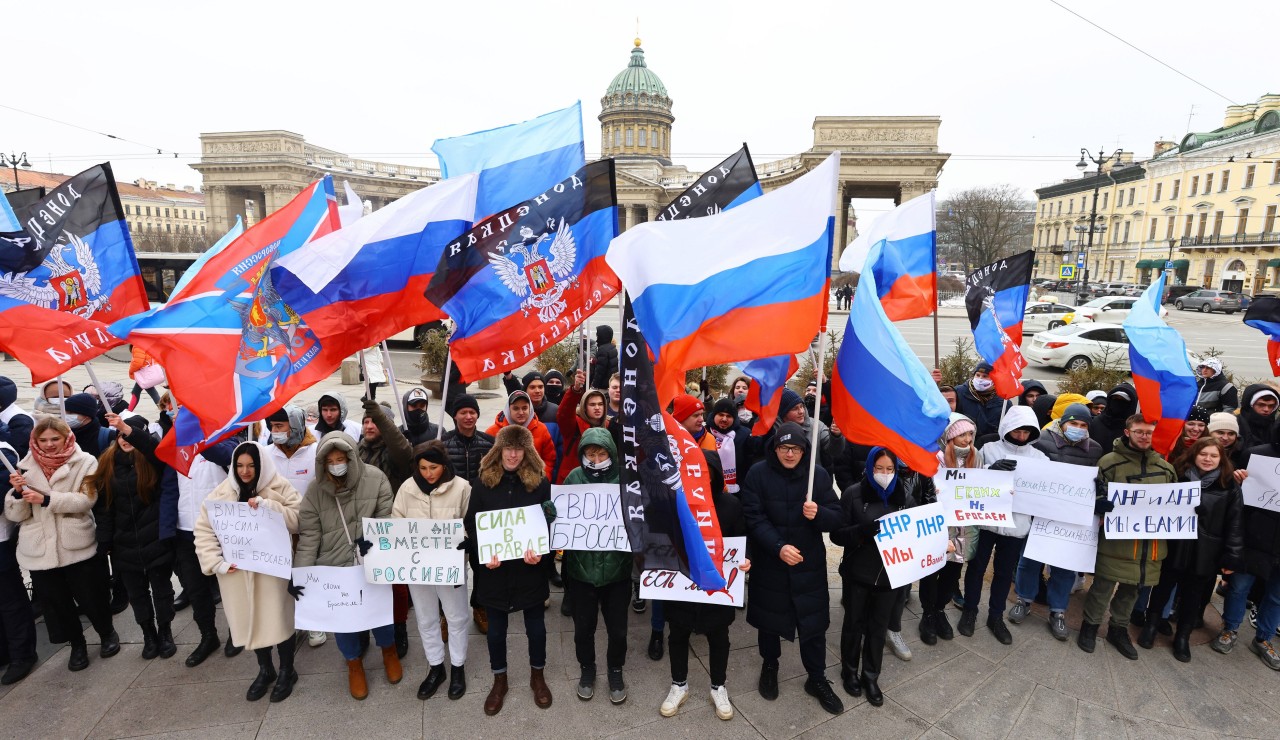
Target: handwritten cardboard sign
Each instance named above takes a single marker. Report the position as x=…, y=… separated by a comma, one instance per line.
x=975, y=496
x=913, y=543
x=256, y=540
x=415, y=551
x=507, y=533
x=1064, y=545
x=1152, y=511
x=1053, y=490
x=340, y=600
x=671, y=585
x=1262, y=488
x=589, y=517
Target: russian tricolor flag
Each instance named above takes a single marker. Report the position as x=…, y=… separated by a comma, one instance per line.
x=906, y=273
x=880, y=392
x=740, y=285
x=518, y=161
x=1264, y=315
x=1162, y=374
x=769, y=377
x=995, y=297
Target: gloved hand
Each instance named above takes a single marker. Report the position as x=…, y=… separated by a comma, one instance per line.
x=295, y=591
x=871, y=530
x=549, y=511
x=1006, y=464
x=1103, y=506
x=364, y=545
x=1100, y=488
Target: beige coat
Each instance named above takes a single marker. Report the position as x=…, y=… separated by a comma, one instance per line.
x=448, y=501
x=258, y=607
x=63, y=532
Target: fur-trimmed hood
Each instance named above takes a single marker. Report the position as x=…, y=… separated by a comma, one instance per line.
x=531, y=470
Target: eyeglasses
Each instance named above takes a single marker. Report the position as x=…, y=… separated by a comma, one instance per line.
x=1141, y=432
x=790, y=449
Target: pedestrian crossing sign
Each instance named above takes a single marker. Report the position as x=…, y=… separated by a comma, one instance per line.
x=1067, y=272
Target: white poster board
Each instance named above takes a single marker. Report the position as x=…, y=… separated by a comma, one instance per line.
x=415, y=551
x=589, y=517
x=256, y=540
x=1152, y=511
x=671, y=585
x=913, y=543
x=1262, y=488
x=1063, y=545
x=1059, y=491
x=973, y=496
x=507, y=533
x=339, y=600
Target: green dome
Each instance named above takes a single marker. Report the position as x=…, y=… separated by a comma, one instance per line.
x=637, y=78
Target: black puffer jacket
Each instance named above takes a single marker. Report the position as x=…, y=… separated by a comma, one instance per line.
x=466, y=452
x=1219, y=539
x=138, y=534
x=604, y=363
x=860, y=506
x=515, y=585
x=1108, y=426
x=786, y=599
x=1255, y=429
x=702, y=618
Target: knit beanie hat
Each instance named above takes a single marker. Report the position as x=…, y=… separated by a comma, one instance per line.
x=82, y=404
x=465, y=401
x=1077, y=412
x=724, y=406
x=1224, y=421
x=958, y=426
x=1198, y=413
x=790, y=399
x=685, y=406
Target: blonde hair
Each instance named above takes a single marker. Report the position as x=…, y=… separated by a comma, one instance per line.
x=51, y=422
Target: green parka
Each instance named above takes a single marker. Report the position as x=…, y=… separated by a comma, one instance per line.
x=597, y=568
x=331, y=506
x=1132, y=561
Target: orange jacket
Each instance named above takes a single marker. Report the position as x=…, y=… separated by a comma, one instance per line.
x=541, y=440
x=139, y=360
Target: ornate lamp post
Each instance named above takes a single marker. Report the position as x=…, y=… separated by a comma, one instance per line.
x=1083, y=165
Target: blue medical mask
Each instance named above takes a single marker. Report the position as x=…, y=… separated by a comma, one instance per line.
x=1075, y=434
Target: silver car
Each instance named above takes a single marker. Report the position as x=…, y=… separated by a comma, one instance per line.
x=1207, y=301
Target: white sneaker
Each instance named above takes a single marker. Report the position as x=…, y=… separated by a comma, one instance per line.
x=720, y=700
x=316, y=639
x=676, y=697
x=1079, y=584
x=899, y=645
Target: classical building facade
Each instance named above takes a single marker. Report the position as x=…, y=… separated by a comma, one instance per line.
x=252, y=173
x=1207, y=203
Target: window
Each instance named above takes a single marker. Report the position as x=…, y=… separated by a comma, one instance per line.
x=1186, y=230
x=1152, y=236
x=1275, y=175
x=1084, y=203
x=1226, y=178
x=1195, y=185
x=1126, y=233
x=1132, y=193
x=1269, y=222
x=1204, y=222
x=1105, y=197
x=1059, y=208
x=1208, y=183
x=643, y=138
x=617, y=137
x=1217, y=223
x=1177, y=186
x=1159, y=187
x=1071, y=204
x=166, y=213
x=630, y=136
x=1055, y=239
x=1242, y=221
x=184, y=213
x=168, y=227
x=148, y=210
x=1249, y=173
x=1168, y=232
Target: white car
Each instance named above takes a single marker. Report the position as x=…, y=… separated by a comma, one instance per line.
x=1043, y=315
x=1112, y=310
x=1079, y=346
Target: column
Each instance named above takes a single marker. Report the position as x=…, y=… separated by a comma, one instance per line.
x=624, y=217
x=841, y=239
x=218, y=215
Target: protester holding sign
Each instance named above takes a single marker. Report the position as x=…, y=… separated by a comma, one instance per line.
x=1192, y=566
x=435, y=492
x=868, y=595
x=936, y=589
x=511, y=475
x=330, y=532
x=1124, y=565
x=258, y=608
x=598, y=583
x=788, y=595
x=1018, y=430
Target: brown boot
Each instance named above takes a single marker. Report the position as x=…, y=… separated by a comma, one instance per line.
x=481, y=618
x=444, y=629
x=493, y=702
x=356, y=680
x=541, y=692
x=391, y=662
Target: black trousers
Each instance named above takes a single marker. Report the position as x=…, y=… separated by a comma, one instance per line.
x=813, y=652
x=718, y=648
x=1191, y=591
x=146, y=586
x=899, y=605
x=17, y=622
x=937, y=588
x=195, y=584
x=286, y=650
x=867, y=612
x=589, y=603
x=82, y=584
x=1008, y=550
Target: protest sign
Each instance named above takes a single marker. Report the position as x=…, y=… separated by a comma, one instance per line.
x=252, y=539
x=1059, y=491
x=507, y=533
x=339, y=600
x=415, y=551
x=1063, y=545
x=671, y=585
x=975, y=496
x=1152, y=511
x=1262, y=488
x=913, y=543
x=589, y=517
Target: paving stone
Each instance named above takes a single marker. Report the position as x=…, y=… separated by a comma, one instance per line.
x=933, y=694
x=1046, y=714
x=863, y=720
x=793, y=713
x=241, y=731
x=54, y=702
x=152, y=710
x=992, y=709
x=696, y=720
x=392, y=719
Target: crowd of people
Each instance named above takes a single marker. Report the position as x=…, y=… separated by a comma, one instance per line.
x=98, y=523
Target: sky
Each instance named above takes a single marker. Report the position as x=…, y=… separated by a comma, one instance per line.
x=1020, y=85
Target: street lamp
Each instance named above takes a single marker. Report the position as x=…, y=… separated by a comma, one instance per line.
x=14, y=160
x=1083, y=165
x=1168, y=265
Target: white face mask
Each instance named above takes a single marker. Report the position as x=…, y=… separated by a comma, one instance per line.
x=338, y=470
x=75, y=421
x=744, y=415
x=279, y=437
x=884, y=479
x=599, y=467
x=961, y=452
x=982, y=385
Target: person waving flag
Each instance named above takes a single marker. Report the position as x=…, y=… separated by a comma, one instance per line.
x=1162, y=374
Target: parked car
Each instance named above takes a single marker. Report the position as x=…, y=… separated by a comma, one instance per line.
x=1043, y=315
x=1080, y=345
x=1108, y=289
x=1111, y=310
x=1174, y=292
x=1135, y=290
x=1207, y=301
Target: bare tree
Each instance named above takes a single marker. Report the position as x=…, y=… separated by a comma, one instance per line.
x=982, y=224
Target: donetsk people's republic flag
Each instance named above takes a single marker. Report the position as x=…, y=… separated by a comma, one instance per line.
x=996, y=297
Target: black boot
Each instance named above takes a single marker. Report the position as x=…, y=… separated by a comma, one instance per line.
x=1182, y=643
x=110, y=644
x=288, y=676
x=849, y=678
x=164, y=641
x=209, y=644
x=434, y=678
x=457, y=682
x=232, y=650
x=768, y=684
x=119, y=597
x=1147, y=638
x=150, y=646
x=181, y=601
x=79, y=659
x=1119, y=639
x=402, y=639
x=942, y=626
x=266, y=674
x=928, y=633
x=655, y=645
x=1088, y=638
x=968, y=620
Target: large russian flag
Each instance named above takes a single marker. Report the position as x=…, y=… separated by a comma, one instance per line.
x=907, y=272
x=740, y=285
x=1162, y=375
x=1263, y=314
x=995, y=297
x=880, y=392
x=518, y=161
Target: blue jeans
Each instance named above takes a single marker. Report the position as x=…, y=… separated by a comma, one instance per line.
x=349, y=642
x=1058, y=586
x=1268, y=610
x=656, y=620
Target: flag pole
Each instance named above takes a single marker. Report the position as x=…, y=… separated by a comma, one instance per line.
x=817, y=406
x=391, y=373
x=93, y=377
x=62, y=397
x=364, y=372
x=4, y=459
x=937, y=362
x=444, y=393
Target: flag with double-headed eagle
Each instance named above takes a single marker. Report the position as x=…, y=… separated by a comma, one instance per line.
x=523, y=279
x=233, y=349
x=66, y=274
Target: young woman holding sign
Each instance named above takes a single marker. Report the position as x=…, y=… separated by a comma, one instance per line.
x=936, y=589
x=258, y=607
x=511, y=475
x=434, y=492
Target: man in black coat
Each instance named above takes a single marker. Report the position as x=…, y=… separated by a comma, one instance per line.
x=604, y=363
x=788, y=589
x=1107, y=427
